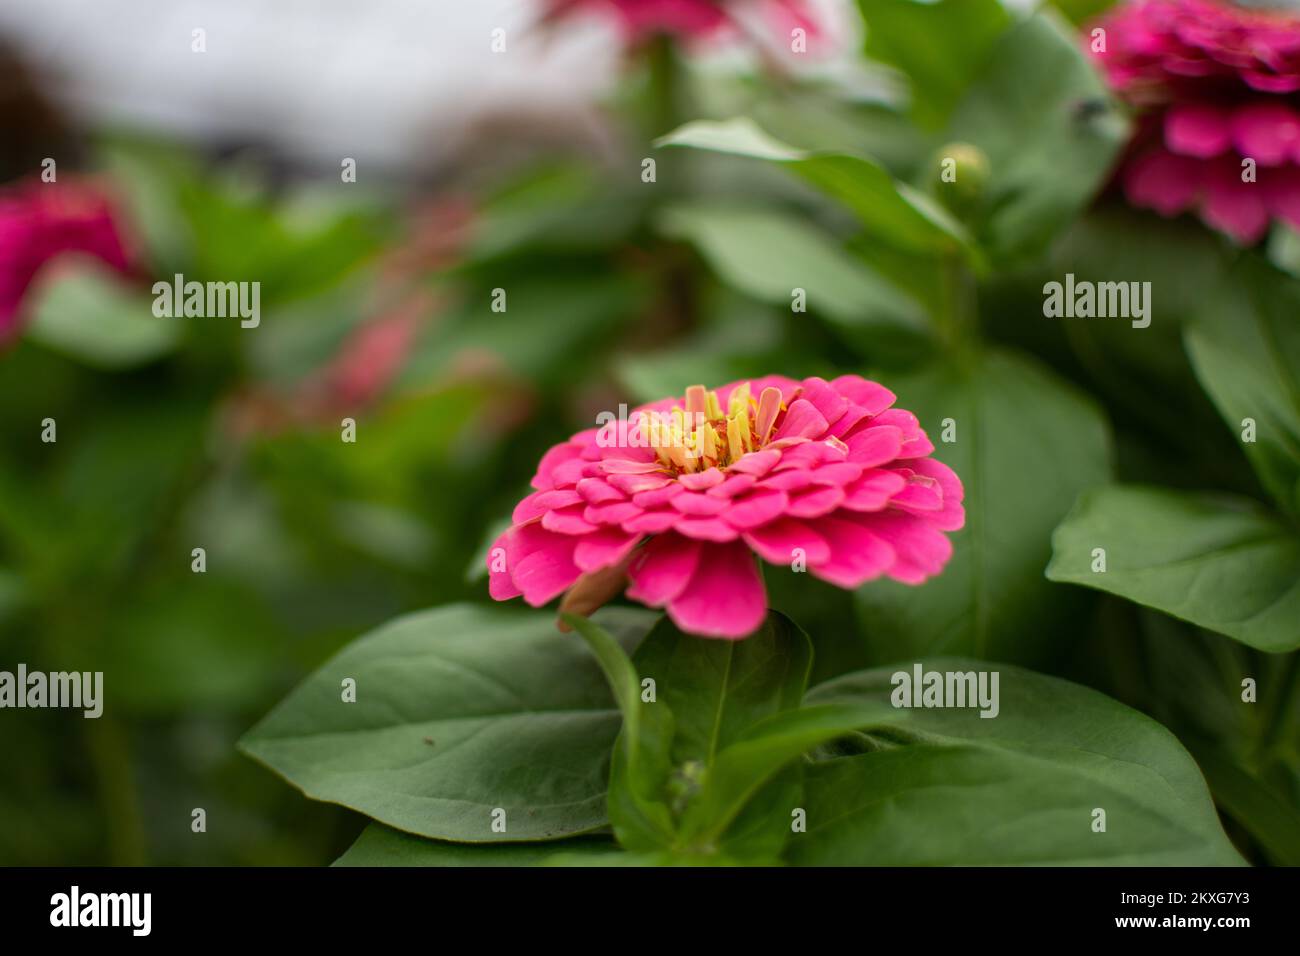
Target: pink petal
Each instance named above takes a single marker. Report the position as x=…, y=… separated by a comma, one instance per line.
x=1198, y=129
x=567, y=521
x=1234, y=207
x=548, y=571
x=830, y=404
x=873, y=490
x=814, y=504
x=1266, y=131
x=725, y=596
x=777, y=540
x=698, y=504
x=920, y=494
x=662, y=569
x=952, y=516
x=603, y=548
x=568, y=473
x=555, y=456
x=756, y=508
x=811, y=453
x=792, y=479
x=616, y=512
x=839, y=473
x=627, y=466
x=1164, y=182
x=802, y=420
x=856, y=554
x=921, y=549
x=652, y=522
x=756, y=463
x=632, y=484
x=734, y=485
x=540, y=502
x=877, y=445
x=872, y=396
x=1271, y=82
x=598, y=491
x=657, y=497
x=702, y=480
x=705, y=529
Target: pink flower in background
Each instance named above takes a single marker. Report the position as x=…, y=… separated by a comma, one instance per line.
x=694, y=19
x=41, y=221
x=680, y=500
x=1216, y=84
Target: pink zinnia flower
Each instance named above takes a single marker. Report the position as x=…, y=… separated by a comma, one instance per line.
x=693, y=19
x=39, y=222
x=1217, y=84
x=824, y=472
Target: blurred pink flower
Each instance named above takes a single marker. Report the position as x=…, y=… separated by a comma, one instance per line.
x=823, y=473
x=41, y=221
x=1216, y=84
x=693, y=19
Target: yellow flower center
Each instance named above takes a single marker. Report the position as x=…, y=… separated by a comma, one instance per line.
x=699, y=435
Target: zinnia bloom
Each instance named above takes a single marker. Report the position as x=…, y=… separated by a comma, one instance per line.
x=693, y=19
x=680, y=500
x=1217, y=85
x=39, y=222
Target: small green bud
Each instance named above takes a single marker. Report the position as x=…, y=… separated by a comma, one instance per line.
x=961, y=174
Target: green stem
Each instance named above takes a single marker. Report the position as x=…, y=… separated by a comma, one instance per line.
x=958, y=316
x=665, y=86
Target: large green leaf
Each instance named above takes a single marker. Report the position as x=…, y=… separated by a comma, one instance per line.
x=892, y=211
x=1026, y=445
x=379, y=845
x=940, y=44
x=947, y=786
x=459, y=711
x=1043, y=117
x=1218, y=561
x=1245, y=346
x=768, y=255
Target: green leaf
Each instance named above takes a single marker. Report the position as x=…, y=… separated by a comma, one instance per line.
x=745, y=766
x=1218, y=561
x=379, y=845
x=718, y=689
x=459, y=711
x=698, y=772
x=90, y=315
x=1042, y=115
x=945, y=786
x=552, y=320
x=1083, y=11
x=1245, y=347
x=941, y=45
x=893, y=211
x=1026, y=445
x=767, y=255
